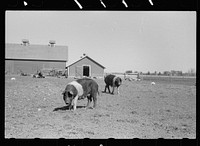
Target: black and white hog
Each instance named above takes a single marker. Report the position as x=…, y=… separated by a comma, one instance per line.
x=113, y=81
x=80, y=89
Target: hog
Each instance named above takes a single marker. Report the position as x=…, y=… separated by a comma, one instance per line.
x=113, y=81
x=80, y=89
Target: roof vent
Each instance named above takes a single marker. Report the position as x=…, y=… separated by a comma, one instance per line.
x=25, y=42
x=52, y=43
x=84, y=55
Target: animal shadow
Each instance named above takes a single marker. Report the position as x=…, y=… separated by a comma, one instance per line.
x=63, y=108
x=107, y=93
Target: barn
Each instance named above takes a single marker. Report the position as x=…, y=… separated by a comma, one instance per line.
x=87, y=67
x=28, y=58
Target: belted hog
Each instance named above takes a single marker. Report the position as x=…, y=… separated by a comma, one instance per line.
x=113, y=81
x=80, y=89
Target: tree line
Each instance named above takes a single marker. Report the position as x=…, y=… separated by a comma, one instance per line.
x=190, y=72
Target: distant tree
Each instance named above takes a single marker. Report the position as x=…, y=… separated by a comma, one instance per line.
x=166, y=73
x=159, y=73
x=191, y=72
x=148, y=73
x=180, y=73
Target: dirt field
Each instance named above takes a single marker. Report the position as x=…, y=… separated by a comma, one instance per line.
x=142, y=110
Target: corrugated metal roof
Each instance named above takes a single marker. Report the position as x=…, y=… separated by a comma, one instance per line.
x=87, y=58
x=36, y=52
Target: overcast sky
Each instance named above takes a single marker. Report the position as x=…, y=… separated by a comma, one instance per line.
x=119, y=40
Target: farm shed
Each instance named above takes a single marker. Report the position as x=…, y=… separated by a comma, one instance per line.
x=29, y=58
x=85, y=66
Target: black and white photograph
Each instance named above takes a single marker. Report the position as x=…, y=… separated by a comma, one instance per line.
x=100, y=74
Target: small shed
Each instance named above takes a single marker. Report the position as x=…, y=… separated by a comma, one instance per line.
x=85, y=67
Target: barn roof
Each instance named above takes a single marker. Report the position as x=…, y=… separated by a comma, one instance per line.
x=89, y=59
x=36, y=52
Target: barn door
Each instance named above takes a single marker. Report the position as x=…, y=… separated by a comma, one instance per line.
x=78, y=71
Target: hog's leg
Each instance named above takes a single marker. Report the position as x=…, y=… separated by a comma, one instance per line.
x=74, y=102
x=95, y=100
x=70, y=107
x=117, y=90
x=113, y=90
x=106, y=88
x=89, y=101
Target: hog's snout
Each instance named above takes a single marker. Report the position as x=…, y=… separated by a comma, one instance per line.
x=67, y=101
x=67, y=97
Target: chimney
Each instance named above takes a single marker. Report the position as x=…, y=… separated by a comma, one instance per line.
x=52, y=43
x=25, y=42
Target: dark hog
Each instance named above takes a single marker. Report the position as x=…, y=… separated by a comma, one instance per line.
x=113, y=81
x=80, y=89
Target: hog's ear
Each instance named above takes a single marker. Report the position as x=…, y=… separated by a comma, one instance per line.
x=63, y=92
x=71, y=92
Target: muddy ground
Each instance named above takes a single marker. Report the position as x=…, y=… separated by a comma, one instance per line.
x=164, y=110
